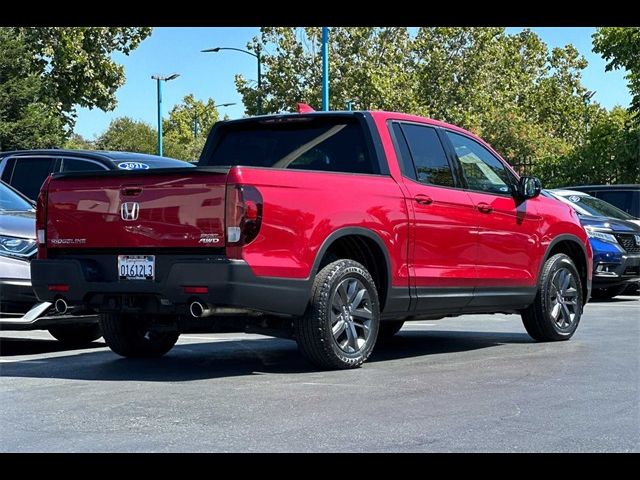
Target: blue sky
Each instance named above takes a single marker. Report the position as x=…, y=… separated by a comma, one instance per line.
x=177, y=49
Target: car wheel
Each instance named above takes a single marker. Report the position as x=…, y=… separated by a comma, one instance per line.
x=130, y=336
x=555, y=313
x=608, y=293
x=76, y=335
x=389, y=329
x=340, y=327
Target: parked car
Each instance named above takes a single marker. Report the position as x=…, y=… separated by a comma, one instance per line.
x=25, y=170
x=333, y=228
x=19, y=308
x=615, y=240
x=625, y=197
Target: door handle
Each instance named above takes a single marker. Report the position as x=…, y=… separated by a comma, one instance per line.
x=423, y=199
x=485, y=207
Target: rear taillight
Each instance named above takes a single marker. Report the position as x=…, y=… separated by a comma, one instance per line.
x=243, y=214
x=41, y=218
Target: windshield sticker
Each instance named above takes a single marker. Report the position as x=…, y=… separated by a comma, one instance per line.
x=133, y=166
x=574, y=198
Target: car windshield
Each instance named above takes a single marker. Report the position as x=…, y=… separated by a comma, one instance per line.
x=10, y=201
x=595, y=206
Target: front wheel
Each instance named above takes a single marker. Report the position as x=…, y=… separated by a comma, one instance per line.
x=340, y=327
x=132, y=336
x=76, y=335
x=555, y=313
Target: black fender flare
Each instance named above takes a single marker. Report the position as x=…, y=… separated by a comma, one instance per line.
x=554, y=242
x=348, y=231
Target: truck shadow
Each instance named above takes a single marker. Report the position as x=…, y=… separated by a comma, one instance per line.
x=219, y=359
x=27, y=346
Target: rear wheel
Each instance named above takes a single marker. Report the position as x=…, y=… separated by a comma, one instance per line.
x=76, y=335
x=132, y=336
x=608, y=293
x=556, y=311
x=340, y=327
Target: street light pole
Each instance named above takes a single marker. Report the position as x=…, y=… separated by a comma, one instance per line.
x=325, y=68
x=159, y=79
x=258, y=57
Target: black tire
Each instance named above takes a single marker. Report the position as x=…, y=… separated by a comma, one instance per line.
x=130, y=336
x=538, y=318
x=76, y=335
x=389, y=329
x=608, y=293
x=334, y=291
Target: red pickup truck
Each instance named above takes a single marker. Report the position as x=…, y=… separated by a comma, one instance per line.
x=333, y=228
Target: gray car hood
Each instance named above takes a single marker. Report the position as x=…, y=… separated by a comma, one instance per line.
x=18, y=224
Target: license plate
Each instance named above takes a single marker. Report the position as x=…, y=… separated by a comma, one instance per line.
x=136, y=267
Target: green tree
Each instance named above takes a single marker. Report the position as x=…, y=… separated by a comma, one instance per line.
x=186, y=129
x=620, y=46
x=27, y=117
x=46, y=72
x=78, y=142
x=367, y=66
x=128, y=135
x=611, y=154
x=525, y=99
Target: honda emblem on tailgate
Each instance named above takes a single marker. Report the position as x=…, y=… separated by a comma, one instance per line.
x=129, y=211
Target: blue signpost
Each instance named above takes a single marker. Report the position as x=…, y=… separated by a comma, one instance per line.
x=325, y=68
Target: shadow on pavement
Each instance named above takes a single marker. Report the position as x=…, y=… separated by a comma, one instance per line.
x=197, y=361
x=26, y=346
x=613, y=300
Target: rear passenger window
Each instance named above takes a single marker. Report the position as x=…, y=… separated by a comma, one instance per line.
x=30, y=173
x=429, y=158
x=79, y=165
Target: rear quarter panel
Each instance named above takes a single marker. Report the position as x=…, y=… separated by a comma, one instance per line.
x=302, y=208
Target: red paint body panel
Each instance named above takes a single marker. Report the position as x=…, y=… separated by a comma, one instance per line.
x=174, y=211
x=301, y=209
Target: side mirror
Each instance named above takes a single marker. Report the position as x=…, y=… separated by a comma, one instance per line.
x=529, y=187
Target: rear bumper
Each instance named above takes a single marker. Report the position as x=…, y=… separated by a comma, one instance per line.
x=626, y=271
x=92, y=282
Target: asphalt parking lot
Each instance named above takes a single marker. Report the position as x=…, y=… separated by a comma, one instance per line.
x=473, y=383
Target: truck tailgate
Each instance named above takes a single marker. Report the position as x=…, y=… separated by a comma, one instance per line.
x=177, y=208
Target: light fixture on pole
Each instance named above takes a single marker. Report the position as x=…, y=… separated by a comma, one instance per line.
x=256, y=55
x=159, y=79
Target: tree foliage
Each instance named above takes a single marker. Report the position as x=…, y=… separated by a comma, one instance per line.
x=28, y=119
x=610, y=154
x=620, y=46
x=186, y=129
x=126, y=134
x=524, y=98
x=46, y=72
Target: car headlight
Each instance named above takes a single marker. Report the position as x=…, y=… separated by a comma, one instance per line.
x=16, y=247
x=605, y=237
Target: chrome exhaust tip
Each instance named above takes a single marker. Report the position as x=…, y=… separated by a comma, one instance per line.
x=61, y=306
x=198, y=310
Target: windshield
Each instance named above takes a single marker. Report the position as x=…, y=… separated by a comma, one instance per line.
x=10, y=201
x=597, y=207
x=336, y=145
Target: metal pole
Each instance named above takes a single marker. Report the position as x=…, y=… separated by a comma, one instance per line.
x=325, y=68
x=259, y=81
x=159, y=117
